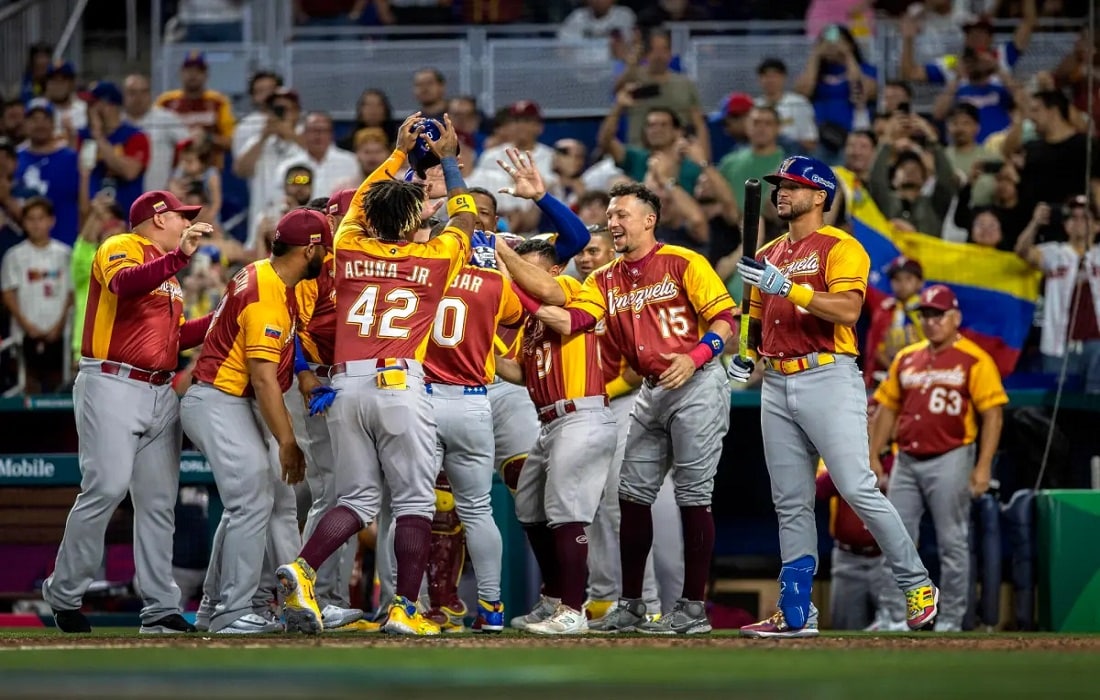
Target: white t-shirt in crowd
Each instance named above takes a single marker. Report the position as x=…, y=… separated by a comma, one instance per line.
x=1062, y=266
x=797, y=121
x=40, y=278
x=581, y=24
x=335, y=167
x=265, y=187
x=165, y=129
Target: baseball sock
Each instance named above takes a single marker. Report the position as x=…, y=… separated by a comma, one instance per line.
x=571, y=545
x=635, y=541
x=698, y=522
x=335, y=528
x=412, y=545
x=542, y=544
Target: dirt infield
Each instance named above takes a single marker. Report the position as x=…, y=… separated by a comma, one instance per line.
x=936, y=642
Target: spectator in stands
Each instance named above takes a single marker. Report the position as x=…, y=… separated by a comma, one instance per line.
x=1071, y=308
x=856, y=14
x=259, y=159
x=1072, y=73
x=895, y=322
x=720, y=209
x=1055, y=162
x=48, y=168
x=897, y=96
x=69, y=111
x=374, y=111
x=37, y=291
x=859, y=154
x=207, y=114
x=570, y=156
x=466, y=117
x=796, y=114
x=985, y=229
x=261, y=86
x=330, y=164
x=196, y=171
x=1012, y=217
x=985, y=86
x=841, y=84
x=163, y=128
x=11, y=121
x=104, y=219
x=297, y=187
x=899, y=176
x=683, y=222
x=122, y=149
x=372, y=147
x=327, y=13
x=937, y=27
x=733, y=115
x=39, y=56
x=666, y=11
x=653, y=84
x=662, y=134
x=592, y=207
x=762, y=157
x=205, y=21
x=430, y=91
x=598, y=19
x=963, y=126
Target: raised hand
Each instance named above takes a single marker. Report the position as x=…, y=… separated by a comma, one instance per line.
x=409, y=133
x=526, y=179
x=192, y=236
x=447, y=144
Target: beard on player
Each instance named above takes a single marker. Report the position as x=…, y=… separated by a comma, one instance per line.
x=794, y=209
x=316, y=264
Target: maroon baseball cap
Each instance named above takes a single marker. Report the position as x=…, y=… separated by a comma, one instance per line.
x=904, y=264
x=525, y=109
x=302, y=227
x=339, y=203
x=156, y=202
x=738, y=104
x=938, y=297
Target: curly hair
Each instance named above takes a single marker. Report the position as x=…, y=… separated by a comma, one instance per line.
x=392, y=209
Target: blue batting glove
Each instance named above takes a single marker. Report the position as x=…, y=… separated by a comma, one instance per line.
x=323, y=396
x=740, y=369
x=764, y=276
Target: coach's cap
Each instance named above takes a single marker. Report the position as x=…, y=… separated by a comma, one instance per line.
x=107, y=92
x=194, y=59
x=301, y=227
x=525, y=109
x=339, y=203
x=62, y=68
x=156, y=202
x=904, y=264
x=938, y=297
x=40, y=104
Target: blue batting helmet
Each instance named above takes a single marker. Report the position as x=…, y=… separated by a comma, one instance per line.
x=421, y=156
x=807, y=171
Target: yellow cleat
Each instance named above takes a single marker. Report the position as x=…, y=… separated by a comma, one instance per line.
x=358, y=626
x=450, y=620
x=923, y=604
x=404, y=618
x=595, y=609
x=299, y=602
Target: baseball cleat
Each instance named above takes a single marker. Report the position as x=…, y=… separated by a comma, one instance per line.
x=71, y=621
x=624, y=617
x=776, y=627
x=451, y=620
x=406, y=619
x=543, y=609
x=886, y=625
x=595, y=609
x=334, y=616
x=357, y=626
x=686, y=617
x=251, y=624
x=923, y=605
x=299, y=602
x=490, y=616
x=169, y=624
x=565, y=620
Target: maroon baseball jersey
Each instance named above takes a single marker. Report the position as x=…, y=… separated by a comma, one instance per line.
x=317, y=315
x=556, y=367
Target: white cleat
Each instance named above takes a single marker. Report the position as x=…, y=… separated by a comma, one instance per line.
x=543, y=610
x=252, y=624
x=565, y=620
x=334, y=616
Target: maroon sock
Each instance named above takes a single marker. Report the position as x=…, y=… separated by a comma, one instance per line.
x=698, y=525
x=635, y=541
x=571, y=546
x=541, y=538
x=412, y=545
x=335, y=528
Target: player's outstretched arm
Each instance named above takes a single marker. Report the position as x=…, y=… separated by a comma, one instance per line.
x=527, y=183
x=139, y=280
x=532, y=279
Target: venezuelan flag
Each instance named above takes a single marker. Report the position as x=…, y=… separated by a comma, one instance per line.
x=996, y=289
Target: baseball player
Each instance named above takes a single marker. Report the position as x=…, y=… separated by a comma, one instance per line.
x=387, y=293
x=234, y=412
x=561, y=483
x=604, y=574
x=935, y=392
x=127, y=415
x=669, y=314
x=808, y=288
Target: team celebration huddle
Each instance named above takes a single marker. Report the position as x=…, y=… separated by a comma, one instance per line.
x=395, y=352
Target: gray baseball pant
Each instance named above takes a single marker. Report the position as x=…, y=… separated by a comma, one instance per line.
x=853, y=590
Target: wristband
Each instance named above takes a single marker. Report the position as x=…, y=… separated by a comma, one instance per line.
x=461, y=204
x=529, y=303
x=800, y=295
x=700, y=354
x=452, y=174
x=300, y=364
x=714, y=342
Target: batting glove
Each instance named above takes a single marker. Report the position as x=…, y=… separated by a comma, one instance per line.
x=740, y=369
x=323, y=396
x=764, y=276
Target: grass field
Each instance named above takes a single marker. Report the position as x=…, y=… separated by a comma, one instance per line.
x=842, y=667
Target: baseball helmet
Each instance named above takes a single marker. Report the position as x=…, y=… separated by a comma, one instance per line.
x=807, y=171
x=421, y=156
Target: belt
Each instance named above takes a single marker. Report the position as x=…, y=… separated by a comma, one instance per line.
x=159, y=377
x=867, y=550
x=474, y=390
x=384, y=363
x=324, y=371
x=794, y=365
x=560, y=408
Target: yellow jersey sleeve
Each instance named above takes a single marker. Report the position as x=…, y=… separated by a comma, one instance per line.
x=847, y=267
x=226, y=121
x=266, y=328
x=354, y=221
x=570, y=287
x=756, y=306
x=511, y=310
x=454, y=244
x=117, y=253
x=589, y=298
x=705, y=289
x=306, y=293
x=888, y=393
x=986, y=389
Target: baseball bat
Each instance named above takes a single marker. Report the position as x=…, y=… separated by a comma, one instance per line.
x=750, y=227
